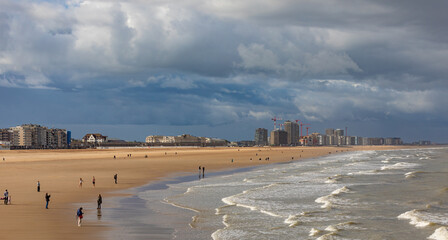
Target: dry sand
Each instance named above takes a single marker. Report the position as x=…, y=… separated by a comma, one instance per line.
x=59, y=171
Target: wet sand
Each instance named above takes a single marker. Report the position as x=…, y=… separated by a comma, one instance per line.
x=59, y=171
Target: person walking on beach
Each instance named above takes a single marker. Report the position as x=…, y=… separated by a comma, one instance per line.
x=79, y=214
x=38, y=186
x=203, y=171
x=99, y=201
x=116, y=178
x=80, y=182
x=47, y=199
x=5, y=195
x=93, y=181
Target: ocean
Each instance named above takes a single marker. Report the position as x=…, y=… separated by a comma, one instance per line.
x=396, y=194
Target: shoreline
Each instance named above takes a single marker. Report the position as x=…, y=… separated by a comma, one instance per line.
x=59, y=172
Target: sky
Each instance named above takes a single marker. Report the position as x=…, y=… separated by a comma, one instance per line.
x=222, y=68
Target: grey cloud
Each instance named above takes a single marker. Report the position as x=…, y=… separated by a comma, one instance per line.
x=296, y=40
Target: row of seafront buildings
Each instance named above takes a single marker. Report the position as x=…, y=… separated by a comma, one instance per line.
x=291, y=136
x=184, y=140
x=33, y=136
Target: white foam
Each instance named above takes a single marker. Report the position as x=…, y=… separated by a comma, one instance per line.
x=415, y=218
x=400, y=165
x=166, y=201
x=331, y=180
x=292, y=221
x=410, y=174
x=325, y=200
x=314, y=232
x=440, y=234
x=341, y=226
x=332, y=228
x=341, y=190
x=230, y=201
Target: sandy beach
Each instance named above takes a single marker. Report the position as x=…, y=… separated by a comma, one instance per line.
x=59, y=172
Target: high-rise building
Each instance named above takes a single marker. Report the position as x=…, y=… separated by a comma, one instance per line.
x=292, y=129
x=36, y=136
x=261, y=136
x=329, y=131
x=339, y=132
x=5, y=135
x=278, y=137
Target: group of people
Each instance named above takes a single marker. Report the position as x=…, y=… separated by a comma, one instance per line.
x=79, y=212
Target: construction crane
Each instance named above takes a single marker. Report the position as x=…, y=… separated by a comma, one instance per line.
x=275, y=122
x=307, y=130
x=301, y=129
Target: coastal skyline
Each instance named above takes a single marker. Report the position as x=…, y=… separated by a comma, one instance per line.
x=129, y=69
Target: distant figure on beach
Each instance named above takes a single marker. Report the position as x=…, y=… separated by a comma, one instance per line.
x=203, y=171
x=199, y=171
x=5, y=195
x=115, y=157
x=3, y=159
x=93, y=181
x=146, y=156
x=116, y=178
x=38, y=186
x=99, y=201
x=232, y=159
x=47, y=199
x=80, y=182
x=79, y=214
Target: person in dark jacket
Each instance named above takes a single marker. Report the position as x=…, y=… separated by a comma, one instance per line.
x=47, y=199
x=99, y=201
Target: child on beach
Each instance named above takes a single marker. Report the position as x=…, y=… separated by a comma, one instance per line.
x=80, y=182
x=79, y=214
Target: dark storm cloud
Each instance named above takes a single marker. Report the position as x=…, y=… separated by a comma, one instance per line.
x=220, y=62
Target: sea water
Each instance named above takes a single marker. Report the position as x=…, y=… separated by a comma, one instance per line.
x=397, y=194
